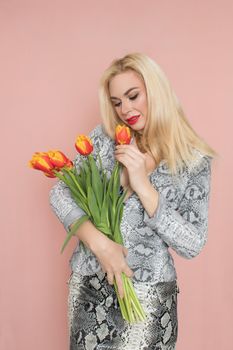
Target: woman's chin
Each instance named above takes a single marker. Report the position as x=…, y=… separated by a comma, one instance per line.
x=138, y=127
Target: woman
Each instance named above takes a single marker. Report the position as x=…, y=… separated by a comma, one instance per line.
x=166, y=170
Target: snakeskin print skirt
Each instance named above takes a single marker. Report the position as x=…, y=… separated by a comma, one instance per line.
x=95, y=320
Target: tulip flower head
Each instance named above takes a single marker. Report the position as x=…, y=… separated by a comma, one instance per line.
x=99, y=197
x=122, y=134
x=59, y=160
x=41, y=161
x=83, y=145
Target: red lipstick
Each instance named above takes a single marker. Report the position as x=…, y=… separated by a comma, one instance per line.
x=132, y=120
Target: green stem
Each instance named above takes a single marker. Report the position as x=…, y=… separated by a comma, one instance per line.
x=121, y=303
x=135, y=298
x=73, y=230
x=78, y=185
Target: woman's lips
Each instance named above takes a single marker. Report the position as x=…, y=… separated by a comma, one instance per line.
x=133, y=119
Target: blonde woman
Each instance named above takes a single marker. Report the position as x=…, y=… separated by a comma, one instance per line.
x=167, y=173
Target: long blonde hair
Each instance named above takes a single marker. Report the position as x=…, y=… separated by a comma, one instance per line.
x=167, y=134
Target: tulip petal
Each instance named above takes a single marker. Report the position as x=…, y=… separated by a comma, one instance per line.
x=84, y=145
x=122, y=134
x=41, y=161
x=58, y=159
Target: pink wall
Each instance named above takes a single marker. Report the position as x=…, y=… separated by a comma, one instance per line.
x=52, y=56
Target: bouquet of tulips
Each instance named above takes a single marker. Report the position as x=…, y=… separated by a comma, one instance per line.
x=100, y=199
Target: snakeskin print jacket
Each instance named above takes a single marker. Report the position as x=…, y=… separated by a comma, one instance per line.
x=180, y=221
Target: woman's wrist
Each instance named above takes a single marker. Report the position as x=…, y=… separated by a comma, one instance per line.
x=98, y=243
x=149, y=198
x=91, y=236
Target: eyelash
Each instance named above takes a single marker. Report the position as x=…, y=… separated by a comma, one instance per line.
x=131, y=98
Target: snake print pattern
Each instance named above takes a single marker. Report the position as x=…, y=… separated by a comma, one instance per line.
x=95, y=320
x=180, y=221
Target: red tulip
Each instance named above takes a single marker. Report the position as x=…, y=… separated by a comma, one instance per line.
x=59, y=160
x=41, y=161
x=83, y=145
x=122, y=134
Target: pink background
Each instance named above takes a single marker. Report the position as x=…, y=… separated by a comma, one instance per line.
x=52, y=56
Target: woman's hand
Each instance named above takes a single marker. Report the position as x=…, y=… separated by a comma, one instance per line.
x=136, y=165
x=135, y=162
x=111, y=257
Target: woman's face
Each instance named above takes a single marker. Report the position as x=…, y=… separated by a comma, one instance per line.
x=129, y=99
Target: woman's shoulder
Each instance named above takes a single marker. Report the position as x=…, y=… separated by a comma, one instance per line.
x=103, y=143
x=200, y=163
x=98, y=132
x=199, y=153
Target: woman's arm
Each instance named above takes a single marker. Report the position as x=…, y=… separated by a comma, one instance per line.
x=149, y=198
x=61, y=200
x=185, y=229
x=63, y=204
x=110, y=255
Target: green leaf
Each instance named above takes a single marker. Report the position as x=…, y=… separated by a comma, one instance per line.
x=121, y=213
x=111, y=180
x=82, y=177
x=111, y=214
x=116, y=184
x=70, y=184
x=92, y=204
x=64, y=179
x=96, y=181
x=104, y=216
x=74, y=180
x=87, y=171
x=100, y=162
x=104, y=182
x=117, y=233
x=73, y=230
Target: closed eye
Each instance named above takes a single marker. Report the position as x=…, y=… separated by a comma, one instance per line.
x=131, y=98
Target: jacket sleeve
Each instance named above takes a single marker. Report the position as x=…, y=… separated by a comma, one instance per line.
x=185, y=229
x=60, y=198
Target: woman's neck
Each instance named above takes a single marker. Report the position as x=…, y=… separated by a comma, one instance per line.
x=138, y=138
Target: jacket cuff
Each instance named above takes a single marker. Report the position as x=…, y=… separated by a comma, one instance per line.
x=72, y=216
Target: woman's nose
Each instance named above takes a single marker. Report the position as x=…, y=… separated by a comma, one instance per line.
x=125, y=107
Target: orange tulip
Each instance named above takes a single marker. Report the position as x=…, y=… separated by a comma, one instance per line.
x=41, y=161
x=59, y=160
x=83, y=145
x=122, y=134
